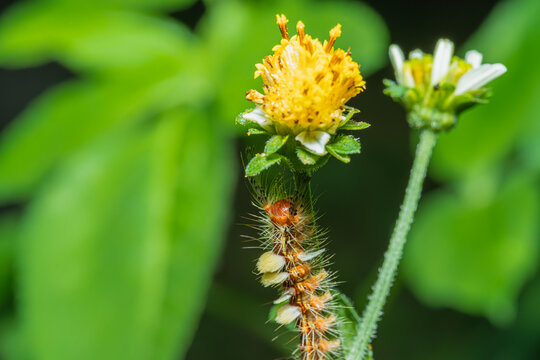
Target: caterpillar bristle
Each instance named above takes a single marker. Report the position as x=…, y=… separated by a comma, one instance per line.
x=294, y=260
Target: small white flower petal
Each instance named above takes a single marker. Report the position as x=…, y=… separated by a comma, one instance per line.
x=478, y=77
x=258, y=116
x=441, y=60
x=416, y=54
x=287, y=314
x=314, y=141
x=397, y=59
x=474, y=58
x=408, y=79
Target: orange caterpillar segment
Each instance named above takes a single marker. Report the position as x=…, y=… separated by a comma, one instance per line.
x=282, y=212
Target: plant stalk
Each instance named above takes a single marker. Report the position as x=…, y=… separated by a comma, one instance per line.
x=393, y=254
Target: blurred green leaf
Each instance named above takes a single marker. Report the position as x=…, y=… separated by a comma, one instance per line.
x=69, y=117
x=475, y=257
x=8, y=239
x=487, y=134
x=88, y=37
x=118, y=248
x=238, y=34
x=348, y=321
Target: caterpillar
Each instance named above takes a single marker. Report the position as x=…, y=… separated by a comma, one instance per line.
x=294, y=262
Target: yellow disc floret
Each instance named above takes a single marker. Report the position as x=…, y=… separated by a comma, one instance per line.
x=306, y=83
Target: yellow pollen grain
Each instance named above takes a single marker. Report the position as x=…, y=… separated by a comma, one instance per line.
x=306, y=83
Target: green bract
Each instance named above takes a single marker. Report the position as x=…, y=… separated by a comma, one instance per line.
x=292, y=152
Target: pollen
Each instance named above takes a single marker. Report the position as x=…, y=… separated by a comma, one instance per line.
x=306, y=83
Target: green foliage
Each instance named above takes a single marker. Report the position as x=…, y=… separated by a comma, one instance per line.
x=348, y=322
x=480, y=255
x=275, y=143
x=474, y=245
x=261, y=162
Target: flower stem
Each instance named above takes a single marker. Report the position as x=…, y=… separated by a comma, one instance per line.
x=393, y=255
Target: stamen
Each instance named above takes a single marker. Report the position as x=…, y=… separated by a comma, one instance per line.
x=334, y=34
x=255, y=96
x=300, y=29
x=282, y=23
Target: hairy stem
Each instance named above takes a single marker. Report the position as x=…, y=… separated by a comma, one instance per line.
x=395, y=249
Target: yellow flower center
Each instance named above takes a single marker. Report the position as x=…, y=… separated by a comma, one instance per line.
x=306, y=83
x=420, y=70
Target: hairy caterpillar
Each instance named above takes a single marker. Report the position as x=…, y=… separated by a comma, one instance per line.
x=294, y=262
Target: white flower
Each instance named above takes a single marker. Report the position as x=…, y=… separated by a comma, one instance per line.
x=314, y=141
x=478, y=77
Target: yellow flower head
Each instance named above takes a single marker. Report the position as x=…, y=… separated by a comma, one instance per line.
x=306, y=83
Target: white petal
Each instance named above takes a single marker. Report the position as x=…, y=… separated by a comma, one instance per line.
x=314, y=141
x=397, y=59
x=287, y=314
x=441, y=60
x=408, y=79
x=258, y=116
x=474, y=58
x=478, y=77
x=416, y=54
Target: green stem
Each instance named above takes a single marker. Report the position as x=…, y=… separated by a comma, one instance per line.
x=395, y=249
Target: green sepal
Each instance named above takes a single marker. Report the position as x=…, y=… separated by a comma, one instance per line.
x=395, y=91
x=353, y=125
x=306, y=157
x=344, y=145
x=241, y=121
x=275, y=143
x=348, y=320
x=344, y=158
x=253, y=131
x=261, y=162
x=351, y=112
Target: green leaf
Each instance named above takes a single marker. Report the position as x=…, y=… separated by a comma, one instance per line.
x=345, y=145
x=253, y=131
x=344, y=158
x=275, y=143
x=94, y=38
x=353, y=125
x=348, y=320
x=118, y=248
x=306, y=157
x=475, y=257
x=261, y=162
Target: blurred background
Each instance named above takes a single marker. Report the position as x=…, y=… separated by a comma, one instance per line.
x=122, y=196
